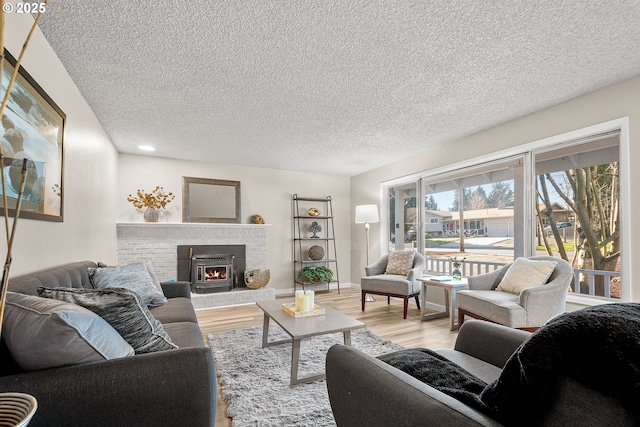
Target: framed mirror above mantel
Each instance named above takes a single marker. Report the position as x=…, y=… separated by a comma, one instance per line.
x=210, y=200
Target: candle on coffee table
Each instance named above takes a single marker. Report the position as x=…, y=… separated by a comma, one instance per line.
x=311, y=297
x=299, y=297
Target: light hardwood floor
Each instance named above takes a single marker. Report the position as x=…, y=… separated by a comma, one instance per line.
x=384, y=320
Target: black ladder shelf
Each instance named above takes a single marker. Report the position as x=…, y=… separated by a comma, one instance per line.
x=306, y=211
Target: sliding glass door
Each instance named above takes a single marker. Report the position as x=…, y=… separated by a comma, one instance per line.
x=403, y=217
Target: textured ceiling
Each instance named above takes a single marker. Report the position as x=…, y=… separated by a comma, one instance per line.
x=337, y=87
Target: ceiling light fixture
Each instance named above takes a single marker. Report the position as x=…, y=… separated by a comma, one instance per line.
x=146, y=148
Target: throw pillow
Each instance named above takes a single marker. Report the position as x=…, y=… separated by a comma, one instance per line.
x=42, y=333
x=122, y=309
x=400, y=262
x=526, y=273
x=134, y=277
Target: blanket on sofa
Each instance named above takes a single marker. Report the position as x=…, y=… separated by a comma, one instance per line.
x=597, y=346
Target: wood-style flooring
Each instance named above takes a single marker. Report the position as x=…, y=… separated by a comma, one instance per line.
x=384, y=320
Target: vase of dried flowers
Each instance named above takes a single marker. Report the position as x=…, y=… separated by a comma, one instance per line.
x=151, y=214
x=153, y=201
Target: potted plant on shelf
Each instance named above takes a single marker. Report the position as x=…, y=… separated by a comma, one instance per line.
x=316, y=274
x=157, y=199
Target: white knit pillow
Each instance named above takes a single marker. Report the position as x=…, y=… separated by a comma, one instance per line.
x=400, y=262
x=526, y=273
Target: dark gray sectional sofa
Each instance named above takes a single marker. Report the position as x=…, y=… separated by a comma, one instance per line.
x=365, y=391
x=166, y=388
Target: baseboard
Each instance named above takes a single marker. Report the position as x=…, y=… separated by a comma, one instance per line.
x=332, y=287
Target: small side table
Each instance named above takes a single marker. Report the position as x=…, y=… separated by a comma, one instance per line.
x=451, y=287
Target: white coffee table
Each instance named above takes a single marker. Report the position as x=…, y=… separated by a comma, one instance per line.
x=304, y=327
x=451, y=287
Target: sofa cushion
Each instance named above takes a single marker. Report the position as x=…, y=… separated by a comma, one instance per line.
x=499, y=307
x=138, y=277
x=481, y=369
x=185, y=334
x=124, y=310
x=400, y=262
x=175, y=310
x=388, y=283
x=526, y=273
x=43, y=333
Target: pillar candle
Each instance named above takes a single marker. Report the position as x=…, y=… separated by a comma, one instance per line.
x=304, y=303
x=311, y=296
x=299, y=298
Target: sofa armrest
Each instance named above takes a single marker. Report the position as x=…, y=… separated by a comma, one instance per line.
x=487, y=281
x=489, y=342
x=176, y=289
x=365, y=391
x=417, y=271
x=167, y=388
x=543, y=302
x=377, y=267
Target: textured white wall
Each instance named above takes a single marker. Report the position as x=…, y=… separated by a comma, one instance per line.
x=607, y=104
x=88, y=230
x=266, y=192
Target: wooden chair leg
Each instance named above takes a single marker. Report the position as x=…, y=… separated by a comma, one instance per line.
x=364, y=297
x=406, y=306
x=388, y=300
x=460, y=318
x=418, y=302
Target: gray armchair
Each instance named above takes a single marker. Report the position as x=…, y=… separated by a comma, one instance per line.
x=378, y=282
x=529, y=310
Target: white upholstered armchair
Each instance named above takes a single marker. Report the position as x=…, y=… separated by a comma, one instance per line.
x=524, y=306
x=397, y=278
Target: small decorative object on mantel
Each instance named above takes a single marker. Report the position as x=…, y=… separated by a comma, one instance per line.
x=255, y=279
x=315, y=228
x=157, y=199
x=316, y=252
x=257, y=219
x=456, y=263
x=313, y=212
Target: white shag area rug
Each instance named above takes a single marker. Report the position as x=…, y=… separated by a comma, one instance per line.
x=254, y=382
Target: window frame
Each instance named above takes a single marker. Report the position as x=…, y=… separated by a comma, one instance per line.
x=527, y=152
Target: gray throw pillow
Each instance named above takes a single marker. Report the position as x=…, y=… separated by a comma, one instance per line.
x=134, y=277
x=123, y=310
x=42, y=333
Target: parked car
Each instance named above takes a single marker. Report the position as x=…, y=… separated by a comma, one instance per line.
x=562, y=224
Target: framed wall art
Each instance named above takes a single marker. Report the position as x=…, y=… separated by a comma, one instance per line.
x=32, y=128
x=210, y=200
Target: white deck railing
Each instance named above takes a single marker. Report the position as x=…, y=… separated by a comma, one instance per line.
x=444, y=266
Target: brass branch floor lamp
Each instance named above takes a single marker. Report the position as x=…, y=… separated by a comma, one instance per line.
x=367, y=214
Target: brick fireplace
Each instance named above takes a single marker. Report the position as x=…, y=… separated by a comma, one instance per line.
x=159, y=242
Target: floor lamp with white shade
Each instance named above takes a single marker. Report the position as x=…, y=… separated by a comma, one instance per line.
x=367, y=214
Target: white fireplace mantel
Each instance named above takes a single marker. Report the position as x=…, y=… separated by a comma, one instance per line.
x=157, y=242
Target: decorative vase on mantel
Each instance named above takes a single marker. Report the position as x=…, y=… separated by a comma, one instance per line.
x=151, y=214
x=153, y=202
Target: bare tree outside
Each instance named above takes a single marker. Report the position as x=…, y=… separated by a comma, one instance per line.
x=591, y=193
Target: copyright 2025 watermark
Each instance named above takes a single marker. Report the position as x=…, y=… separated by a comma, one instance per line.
x=33, y=7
